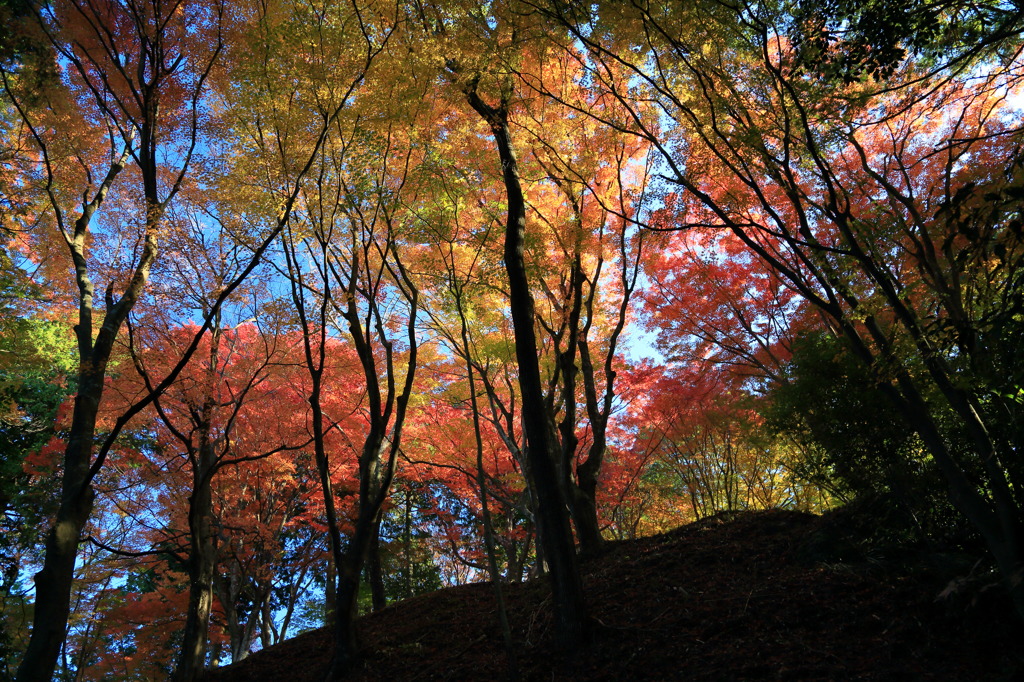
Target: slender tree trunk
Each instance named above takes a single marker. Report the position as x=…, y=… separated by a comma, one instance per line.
x=584, y=491
x=331, y=593
x=377, y=461
x=568, y=368
x=248, y=633
x=376, y=572
x=201, y=564
x=53, y=584
x=407, y=544
x=202, y=558
x=599, y=406
x=268, y=633
x=541, y=438
x=346, y=639
x=227, y=591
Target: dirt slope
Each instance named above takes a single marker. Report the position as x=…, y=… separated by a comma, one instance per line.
x=756, y=596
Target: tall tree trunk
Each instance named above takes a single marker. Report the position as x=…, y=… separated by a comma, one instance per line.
x=201, y=563
x=53, y=582
x=481, y=481
x=346, y=638
x=542, y=441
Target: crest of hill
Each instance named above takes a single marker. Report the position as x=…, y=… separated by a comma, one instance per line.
x=774, y=595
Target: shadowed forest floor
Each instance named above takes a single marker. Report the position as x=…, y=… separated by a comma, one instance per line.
x=754, y=596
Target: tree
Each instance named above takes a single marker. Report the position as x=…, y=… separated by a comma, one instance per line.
x=707, y=442
x=35, y=361
x=905, y=238
x=140, y=104
x=346, y=268
x=541, y=438
x=202, y=416
x=835, y=411
x=457, y=283
x=847, y=41
x=293, y=109
x=466, y=303
x=590, y=307
x=711, y=303
x=245, y=537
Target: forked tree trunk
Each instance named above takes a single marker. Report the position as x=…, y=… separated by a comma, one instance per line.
x=379, y=455
x=53, y=583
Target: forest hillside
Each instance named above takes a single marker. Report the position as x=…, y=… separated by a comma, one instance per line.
x=312, y=307
x=768, y=595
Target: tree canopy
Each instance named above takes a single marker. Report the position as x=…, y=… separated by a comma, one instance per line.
x=306, y=307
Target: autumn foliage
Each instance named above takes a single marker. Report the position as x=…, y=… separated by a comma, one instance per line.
x=309, y=307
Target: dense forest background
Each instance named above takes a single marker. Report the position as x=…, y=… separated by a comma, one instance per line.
x=307, y=307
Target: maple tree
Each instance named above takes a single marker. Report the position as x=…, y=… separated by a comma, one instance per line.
x=455, y=285
x=391, y=339
x=472, y=44
x=205, y=422
x=593, y=188
x=288, y=164
x=466, y=305
x=137, y=101
x=845, y=40
x=141, y=104
x=36, y=359
x=725, y=323
x=345, y=263
x=581, y=206
x=555, y=531
x=260, y=491
x=705, y=442
x=868, y=200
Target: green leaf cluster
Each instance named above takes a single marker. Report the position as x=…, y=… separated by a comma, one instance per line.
x=855, y=445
